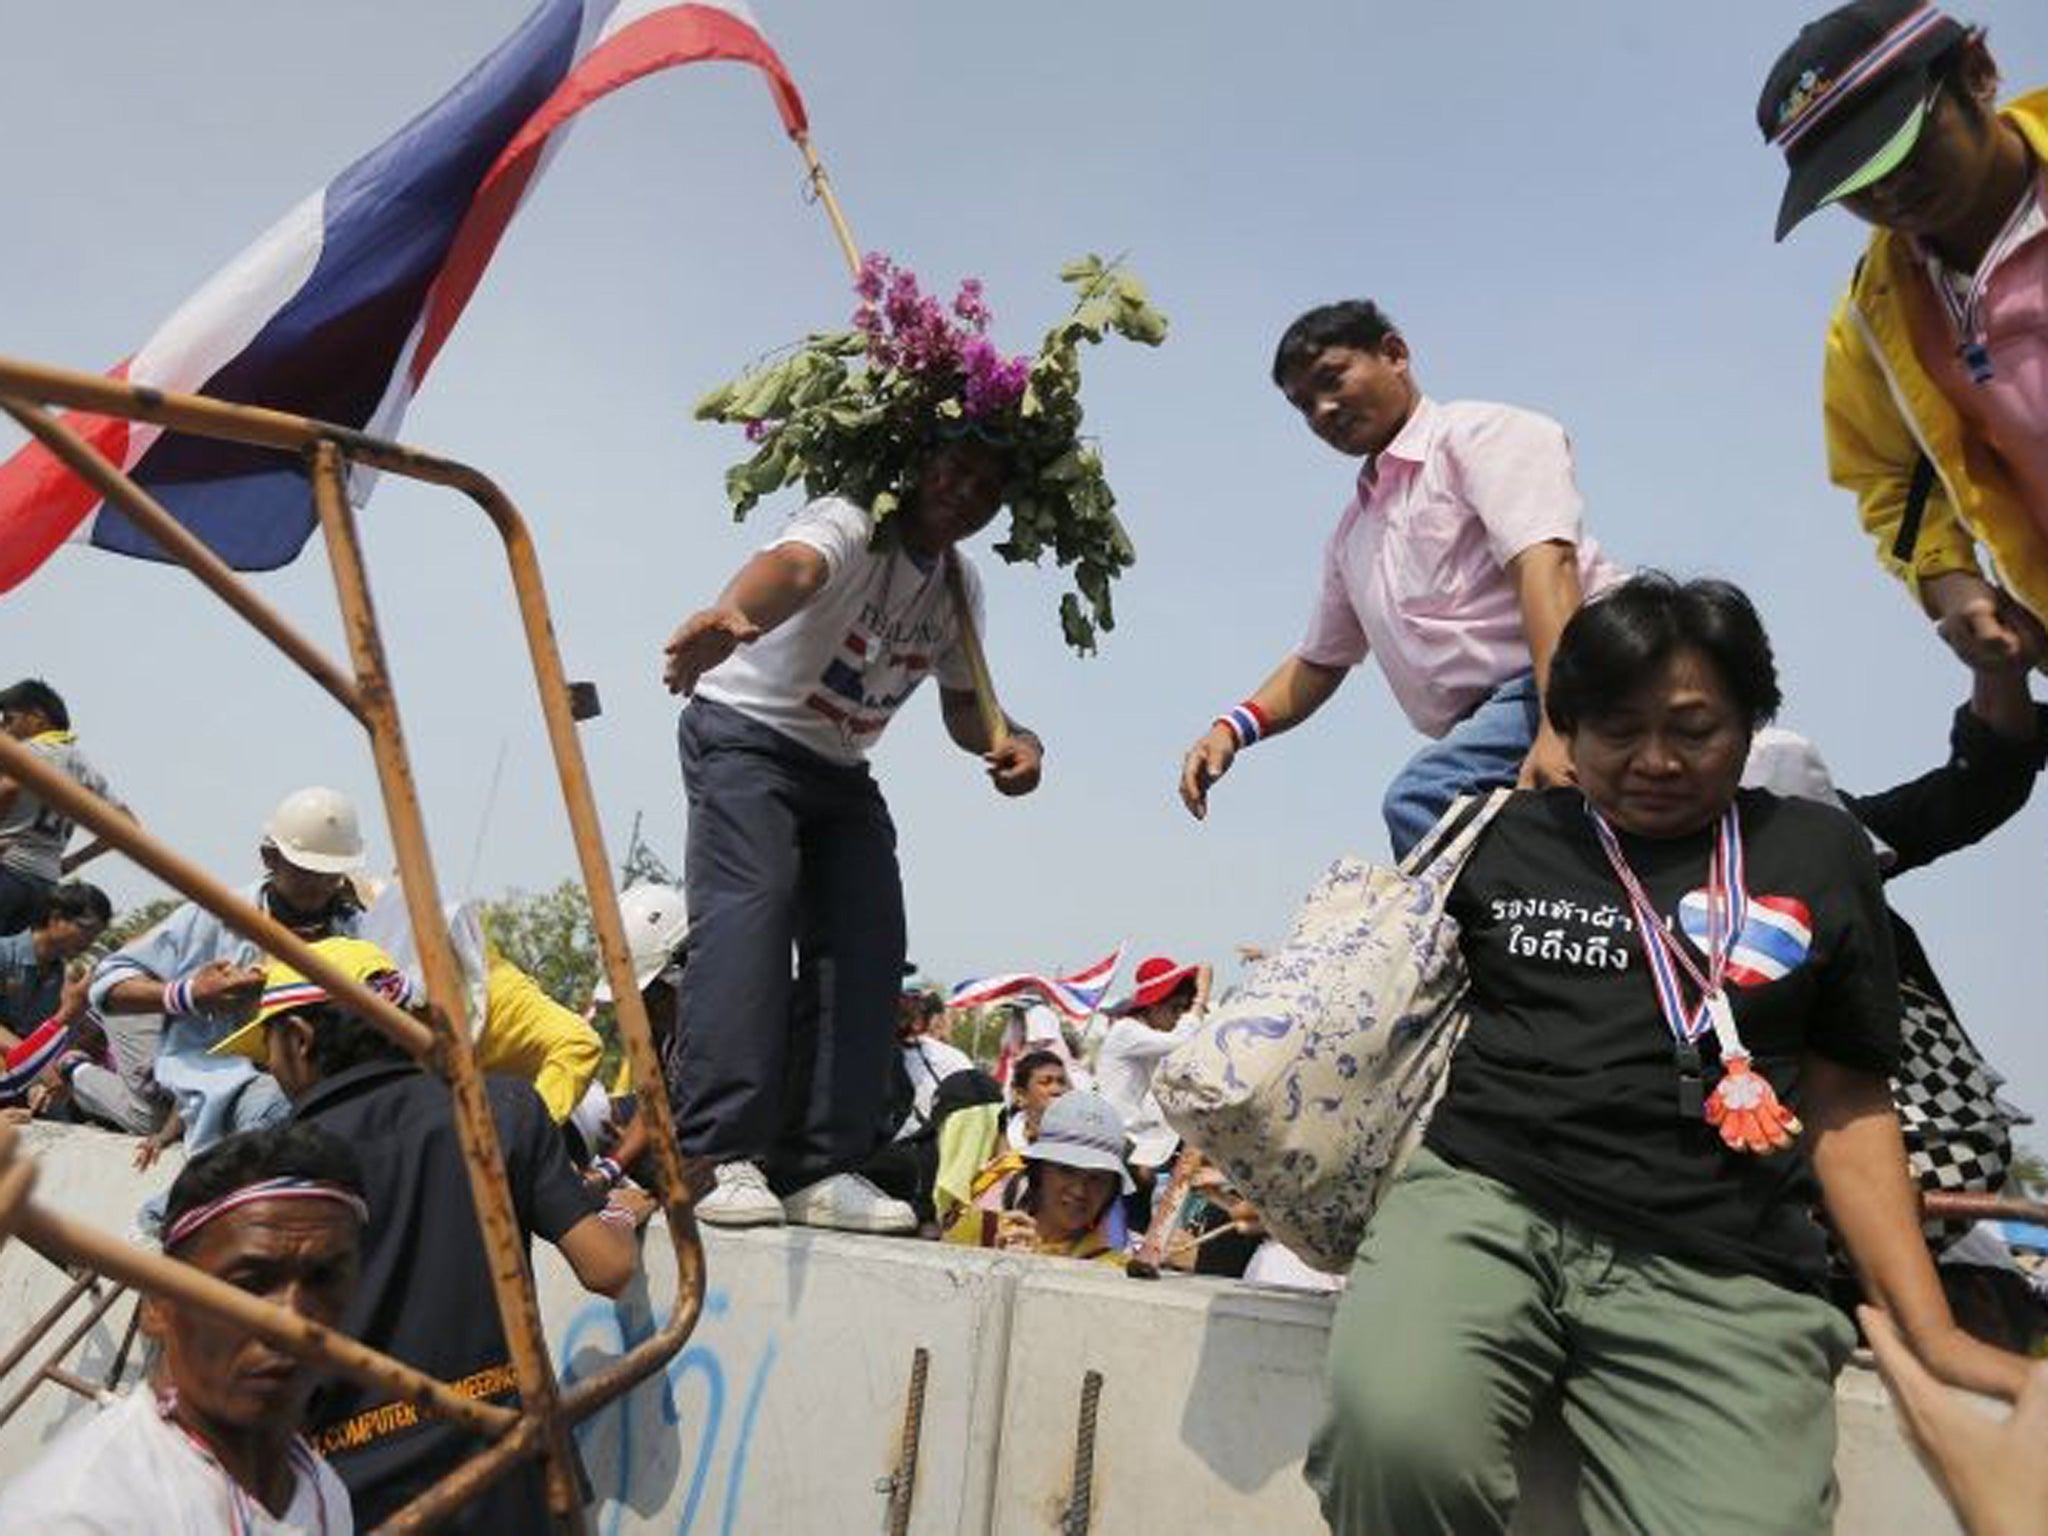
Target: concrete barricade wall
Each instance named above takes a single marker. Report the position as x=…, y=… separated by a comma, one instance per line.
x=784, y=1412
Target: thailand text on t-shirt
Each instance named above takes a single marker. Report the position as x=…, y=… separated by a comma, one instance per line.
x=834, y=674
x=1566, y=1086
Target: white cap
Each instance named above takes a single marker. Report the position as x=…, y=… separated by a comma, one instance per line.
x=1791, y=767
x=656, y=920
x=1082, y=1130
x=316, y=829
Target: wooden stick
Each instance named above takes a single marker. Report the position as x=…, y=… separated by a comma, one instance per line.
x=993, y=721
x=1167, y=1207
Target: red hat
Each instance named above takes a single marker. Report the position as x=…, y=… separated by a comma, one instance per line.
x=1158, y=979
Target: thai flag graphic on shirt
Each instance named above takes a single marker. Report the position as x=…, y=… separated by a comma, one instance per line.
x=1774, y=940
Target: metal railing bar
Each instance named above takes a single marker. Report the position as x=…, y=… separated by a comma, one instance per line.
x=83, y=460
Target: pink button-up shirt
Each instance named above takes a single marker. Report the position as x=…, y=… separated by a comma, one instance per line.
x=1416, y=572
x=2009, y=411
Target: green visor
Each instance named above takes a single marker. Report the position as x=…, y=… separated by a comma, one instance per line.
x=1888, y=158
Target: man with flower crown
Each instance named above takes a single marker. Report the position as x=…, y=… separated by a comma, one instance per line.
x=794, y=672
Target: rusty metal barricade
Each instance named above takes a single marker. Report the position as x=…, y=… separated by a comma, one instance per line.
x=539, y=1426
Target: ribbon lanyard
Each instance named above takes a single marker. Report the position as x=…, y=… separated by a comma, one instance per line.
x=1966, y=309
x=1744, y=1106
x=1727, y=909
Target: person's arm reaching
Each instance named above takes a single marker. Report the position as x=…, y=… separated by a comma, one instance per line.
x=765, y=592
x=87, y=852
x=1993, y=1473
x=1997, y=748
x=1016, y=766
x=1297, y=689
x=602, y=1248
x=1546, y=580
x=1860, y=1160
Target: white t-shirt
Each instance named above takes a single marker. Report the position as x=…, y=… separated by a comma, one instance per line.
x=33, y=835
x=1131, y=1053
x=834, y=674
x=929, y=1063
x=129, y=1470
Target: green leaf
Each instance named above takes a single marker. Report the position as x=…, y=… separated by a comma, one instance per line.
x=1074, y=623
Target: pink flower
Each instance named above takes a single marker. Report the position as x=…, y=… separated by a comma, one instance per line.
x=969, y=305
x=874, y=272
x=759, y=431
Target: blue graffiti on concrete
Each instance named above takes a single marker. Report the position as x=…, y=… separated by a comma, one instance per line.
x=610, y=1330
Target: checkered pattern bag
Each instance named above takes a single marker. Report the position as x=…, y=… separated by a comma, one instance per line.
x=1958, y=1132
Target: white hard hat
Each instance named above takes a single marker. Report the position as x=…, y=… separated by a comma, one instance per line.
x=656, y=921
x=316, y=829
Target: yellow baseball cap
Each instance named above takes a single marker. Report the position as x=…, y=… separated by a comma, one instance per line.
x=286, y=990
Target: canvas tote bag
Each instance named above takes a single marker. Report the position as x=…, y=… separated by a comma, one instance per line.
x=1311, y=1083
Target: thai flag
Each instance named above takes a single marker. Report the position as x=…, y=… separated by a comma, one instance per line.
x=25, y=1060
x=339, y=310
x=1773, y=943
x=1077, y=995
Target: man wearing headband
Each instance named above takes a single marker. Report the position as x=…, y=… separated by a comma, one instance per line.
x=1936, y=386
x=793, y=675
x=426, y=1296
x=211, y=1444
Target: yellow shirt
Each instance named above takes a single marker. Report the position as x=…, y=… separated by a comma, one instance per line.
x=975, y=1224
x=1883, y=410
x=528, y=1034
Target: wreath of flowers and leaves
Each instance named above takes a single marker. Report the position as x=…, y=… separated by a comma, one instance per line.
x=852, y=413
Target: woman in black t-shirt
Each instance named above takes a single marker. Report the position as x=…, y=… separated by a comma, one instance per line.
x=1613, y=1203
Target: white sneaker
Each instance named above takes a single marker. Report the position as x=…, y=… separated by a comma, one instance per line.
x=848, y=1202
x=741, y=1198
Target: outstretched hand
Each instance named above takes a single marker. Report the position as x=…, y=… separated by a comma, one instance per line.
x=701, y=642
x=1993, y=1472
x=1981, y=624
x=1206, y=762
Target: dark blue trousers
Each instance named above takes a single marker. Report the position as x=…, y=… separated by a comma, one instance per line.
x=788, y=1017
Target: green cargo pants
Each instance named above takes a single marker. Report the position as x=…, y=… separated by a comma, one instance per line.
x=1702, y=1403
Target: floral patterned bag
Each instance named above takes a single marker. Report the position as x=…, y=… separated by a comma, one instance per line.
x=1311, y=1083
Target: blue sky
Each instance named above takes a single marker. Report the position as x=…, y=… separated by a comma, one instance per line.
x=1565, y=206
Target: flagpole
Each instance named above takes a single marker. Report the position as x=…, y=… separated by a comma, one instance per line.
x=994, y=723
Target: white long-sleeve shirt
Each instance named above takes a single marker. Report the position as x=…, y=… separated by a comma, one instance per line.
x=1131, y=1053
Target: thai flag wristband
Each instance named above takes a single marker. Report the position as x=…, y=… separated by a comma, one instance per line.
x=178, y=998
x=1246, y=722
x=609, y=1170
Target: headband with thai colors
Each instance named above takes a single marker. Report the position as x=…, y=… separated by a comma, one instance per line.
x=391, y=985
x=264, y=1189
x=1809, y=112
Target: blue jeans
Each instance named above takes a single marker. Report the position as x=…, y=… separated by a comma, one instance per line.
x=786, y=850
x=1482, y=751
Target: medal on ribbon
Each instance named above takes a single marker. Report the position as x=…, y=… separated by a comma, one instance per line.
x=1743, y=1107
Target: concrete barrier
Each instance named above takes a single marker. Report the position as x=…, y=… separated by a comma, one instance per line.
x=785, y=1411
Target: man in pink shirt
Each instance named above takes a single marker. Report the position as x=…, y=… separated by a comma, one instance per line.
x=1936, y=388
x=1457, y=564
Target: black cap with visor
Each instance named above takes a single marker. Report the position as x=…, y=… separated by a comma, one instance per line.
x=1846, y=102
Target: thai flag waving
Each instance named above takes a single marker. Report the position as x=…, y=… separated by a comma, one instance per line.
x=1076, y=995
x=340, y=308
